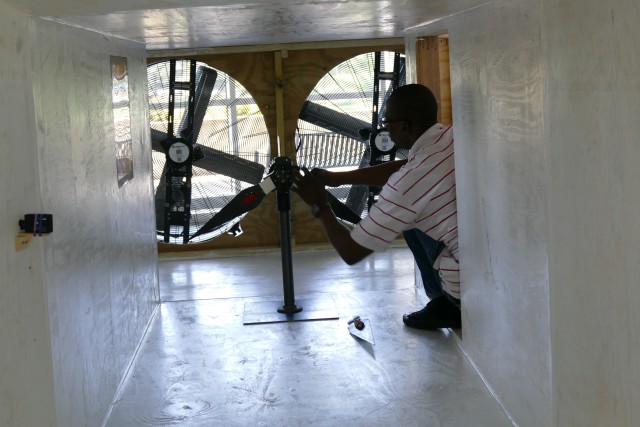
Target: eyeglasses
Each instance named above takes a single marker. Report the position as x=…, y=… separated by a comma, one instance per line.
x=385, y=122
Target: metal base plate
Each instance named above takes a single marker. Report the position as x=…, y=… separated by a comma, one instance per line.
x=323, y=308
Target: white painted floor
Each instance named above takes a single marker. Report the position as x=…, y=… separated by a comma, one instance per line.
x=200, y=365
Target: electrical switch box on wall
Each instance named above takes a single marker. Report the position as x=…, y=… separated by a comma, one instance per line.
x=33, y=225
x=37, y=223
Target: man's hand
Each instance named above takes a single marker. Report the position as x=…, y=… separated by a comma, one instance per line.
x=309, y=188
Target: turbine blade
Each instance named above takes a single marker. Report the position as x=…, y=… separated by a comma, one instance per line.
x=245, y=201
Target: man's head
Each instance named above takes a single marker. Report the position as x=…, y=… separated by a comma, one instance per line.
x=411, y=110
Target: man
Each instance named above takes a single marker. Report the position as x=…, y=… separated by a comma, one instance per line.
x=418, y=199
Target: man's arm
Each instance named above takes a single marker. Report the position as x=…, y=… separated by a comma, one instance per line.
x=314, y=194
x=374, y=175
x=340, y=238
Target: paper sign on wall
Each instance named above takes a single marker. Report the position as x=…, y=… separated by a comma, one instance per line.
x=121, y=119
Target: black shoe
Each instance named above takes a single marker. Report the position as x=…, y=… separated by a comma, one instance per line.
x=439, y=313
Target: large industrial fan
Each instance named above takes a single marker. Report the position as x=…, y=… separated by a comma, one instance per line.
x=339, y=126
x=210, y=142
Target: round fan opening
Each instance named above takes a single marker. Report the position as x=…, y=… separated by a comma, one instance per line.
x=210, y=142
x=341, y=114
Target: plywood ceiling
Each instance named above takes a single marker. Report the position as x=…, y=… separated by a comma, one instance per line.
x=177, y=24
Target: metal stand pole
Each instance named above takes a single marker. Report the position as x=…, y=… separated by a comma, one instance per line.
x=322, y=308
x=284, y=206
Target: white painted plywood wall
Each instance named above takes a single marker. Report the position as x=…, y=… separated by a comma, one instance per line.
x=497, y=78
x=26, y=381
x=101, y=261
x=545, y=105
x=75, y=304
x=593, y=142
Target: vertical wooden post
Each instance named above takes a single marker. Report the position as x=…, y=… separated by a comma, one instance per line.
x=446, y=115
x=432, y=66
x=279, y=104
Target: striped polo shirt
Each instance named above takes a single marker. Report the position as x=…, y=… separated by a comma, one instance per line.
x=421, y=194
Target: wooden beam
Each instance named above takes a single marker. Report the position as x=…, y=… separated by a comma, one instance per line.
x=329, y=44
x=446, y=114
x=432, y=66
x=428, y=65
x=279, y=91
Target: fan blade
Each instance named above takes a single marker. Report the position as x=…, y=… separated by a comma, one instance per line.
x=342, y=211
x=216, y=161
x=358, y=194
x=333, y=120
x=222, y=163
x=157, y=136
x=357, y=198
x=246, y=200
x=205, y=81
x=160, y=197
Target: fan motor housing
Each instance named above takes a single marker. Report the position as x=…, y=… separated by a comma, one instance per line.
x=178, y=150
x=382, y=141
x=383, y=149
